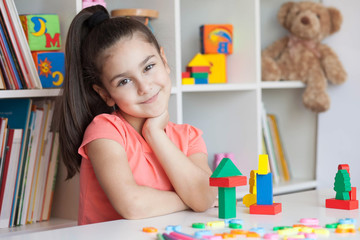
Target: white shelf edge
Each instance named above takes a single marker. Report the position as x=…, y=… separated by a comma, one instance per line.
x=282, y=84
x=53, y=223
x=30, y=93
x=218, y=87
x=295, y=185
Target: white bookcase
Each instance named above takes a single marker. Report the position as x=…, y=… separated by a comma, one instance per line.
x=229, y=114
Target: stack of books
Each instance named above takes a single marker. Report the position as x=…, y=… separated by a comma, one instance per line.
x=29, y=152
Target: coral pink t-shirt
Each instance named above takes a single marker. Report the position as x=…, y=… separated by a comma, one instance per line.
x=94, y=205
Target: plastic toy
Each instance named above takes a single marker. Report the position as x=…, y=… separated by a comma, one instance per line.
x=42, y=31
x=345, y=194
x=264, y=197
x=216, y=38
x=227, y=177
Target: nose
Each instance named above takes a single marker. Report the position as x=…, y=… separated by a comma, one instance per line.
x=305, y=20
x=144, y=86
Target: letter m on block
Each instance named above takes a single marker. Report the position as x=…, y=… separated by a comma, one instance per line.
x=55, y=41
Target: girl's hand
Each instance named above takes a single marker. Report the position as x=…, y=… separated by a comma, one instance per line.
x=155, y=123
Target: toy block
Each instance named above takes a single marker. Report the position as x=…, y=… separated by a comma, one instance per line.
x=226, y=168
x=201, y=69
x=199, y=61
x=185, y=74
x=263, y=167
x=227, y=202
x=182, y=236
x=342, y=204
x=249, y=199
x=352, y=193
x=201, y=80
x=342, y=185
x=168, y=237
x=217, y=72
x=216, y=38
x=42, y=31
x=50, y=67
x=188, y=81
x=252, y=182
x=228, y=182
x=344, y=166
x=203, y=75
x=89, y=3
x=264, y=194
x=273, y=209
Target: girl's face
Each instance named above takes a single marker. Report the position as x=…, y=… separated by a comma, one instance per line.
x=136, y=78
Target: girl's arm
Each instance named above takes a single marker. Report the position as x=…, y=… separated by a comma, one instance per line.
x=188, y=175
x=130, y=200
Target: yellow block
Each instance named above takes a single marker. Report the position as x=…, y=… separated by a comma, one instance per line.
x=264, y=167
x=216, y=224
x=199, y=61
x=249, y=199
x=217, y=68
x=188, y=81
x=252, y=181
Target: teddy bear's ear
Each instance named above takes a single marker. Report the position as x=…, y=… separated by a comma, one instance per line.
x=336, y=19
x=283, y=12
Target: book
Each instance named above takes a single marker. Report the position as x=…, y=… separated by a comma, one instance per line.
x=280, y=147
x=51, y=178
x=8, y=195
x=269, y=144
x=8, y=143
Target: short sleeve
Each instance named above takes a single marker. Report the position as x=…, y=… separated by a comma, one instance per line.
x=196, y=141
x=103, y=126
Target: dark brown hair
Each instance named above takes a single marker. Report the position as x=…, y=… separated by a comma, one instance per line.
x=79, y=103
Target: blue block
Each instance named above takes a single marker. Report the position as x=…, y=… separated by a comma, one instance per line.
x=264, y=189
x=201, y=81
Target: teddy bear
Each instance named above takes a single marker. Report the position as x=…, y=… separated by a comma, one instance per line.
x=302, y=56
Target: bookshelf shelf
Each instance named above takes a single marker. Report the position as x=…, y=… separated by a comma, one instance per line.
x=218, y=87
x=282, y=85
x=31, y=93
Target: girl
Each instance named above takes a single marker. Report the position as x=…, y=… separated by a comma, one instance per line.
x=114, y=125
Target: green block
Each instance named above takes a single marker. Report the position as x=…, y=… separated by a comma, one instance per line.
x=42, y=31
x=200, y=75
x=342, y=196
x=226, y=168
x=227, y=202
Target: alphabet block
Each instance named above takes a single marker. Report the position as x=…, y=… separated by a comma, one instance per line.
x=51, y=68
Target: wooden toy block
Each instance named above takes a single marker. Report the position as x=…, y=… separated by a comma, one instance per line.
x=199, y=61
x=188, y=81
x=42, y=31
x=201, y=69
x=342, y=185
x=201, y=80
x=51, y=68
x=344, y=166
x=217, y=72
x=249, y=199
x=185, y=74
x=89, y=3
x=342, y=204
x=228, y=181
x=227, y=202
x=216, y=38
x=263, y=167
x=252, y=182
x=264, y=194
x=226, y=168
x=273, y=209
x=353, y=193
x=202, y=75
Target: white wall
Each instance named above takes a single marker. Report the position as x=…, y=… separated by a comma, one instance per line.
x=339, y=128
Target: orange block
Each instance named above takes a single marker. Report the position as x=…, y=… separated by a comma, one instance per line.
x=216, y=38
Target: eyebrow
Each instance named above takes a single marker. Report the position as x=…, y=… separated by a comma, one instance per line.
x=140, y=65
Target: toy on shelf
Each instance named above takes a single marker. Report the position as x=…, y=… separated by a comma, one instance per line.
x=205, y=68
x=216, y=38
x=143, y=15
x=227, y=177
x=264, y=190
x=345, y=194
x=43, y=34
x=89, y=3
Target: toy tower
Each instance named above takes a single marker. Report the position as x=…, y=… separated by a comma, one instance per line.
x=227, y=177
x=197, y=71
x=264, y=190
x=345, y=194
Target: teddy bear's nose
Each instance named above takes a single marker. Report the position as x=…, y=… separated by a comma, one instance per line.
x=305, y=20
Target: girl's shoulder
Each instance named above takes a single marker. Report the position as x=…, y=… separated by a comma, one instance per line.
x=182, y=129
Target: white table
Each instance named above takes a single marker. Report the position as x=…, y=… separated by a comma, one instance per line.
x=309, y=204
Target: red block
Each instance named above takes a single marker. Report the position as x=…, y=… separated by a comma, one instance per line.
x=200, y=69
x=185, y=74
x=352, y=193
x=344, y=166
x=342, y=204
x=228, y=182
x=266, y=209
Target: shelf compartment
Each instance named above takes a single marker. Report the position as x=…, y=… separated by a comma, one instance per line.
x=218, y=87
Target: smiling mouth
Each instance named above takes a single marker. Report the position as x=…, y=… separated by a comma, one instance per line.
x=152, y=99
